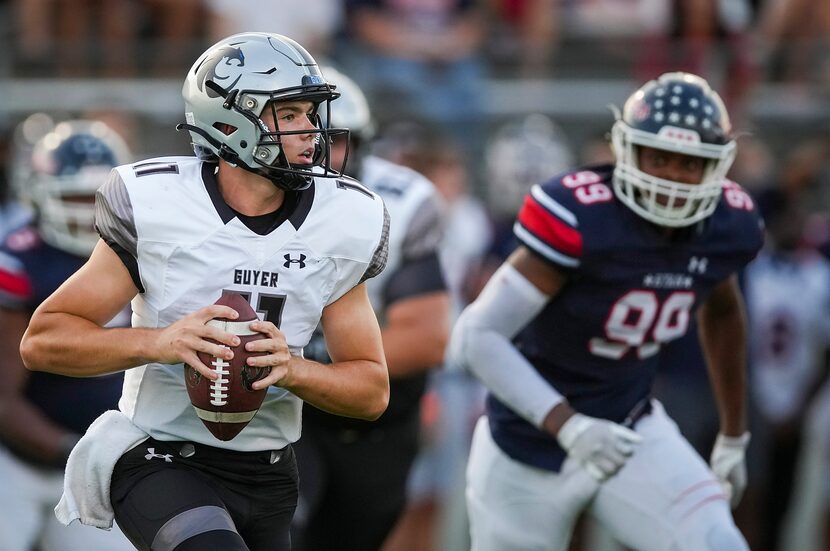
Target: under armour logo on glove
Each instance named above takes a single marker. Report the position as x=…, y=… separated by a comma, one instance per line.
x=152, y=453
x=289, y=261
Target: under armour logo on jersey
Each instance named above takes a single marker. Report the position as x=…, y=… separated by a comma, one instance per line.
x=152, y=453
x=289, y=261
x=698, y=264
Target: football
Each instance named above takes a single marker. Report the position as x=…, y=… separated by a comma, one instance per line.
x=226, y=405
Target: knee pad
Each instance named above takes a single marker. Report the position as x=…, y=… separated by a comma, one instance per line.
x=193, y=523
x=221, y=540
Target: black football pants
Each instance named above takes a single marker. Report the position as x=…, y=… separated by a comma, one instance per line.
x=178, y=496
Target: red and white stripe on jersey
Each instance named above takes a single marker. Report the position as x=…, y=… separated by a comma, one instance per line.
x=548, y=228
x=15, y=285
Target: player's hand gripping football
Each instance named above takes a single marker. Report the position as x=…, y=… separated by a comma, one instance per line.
x=181, y=341
x=728, y=462
x=277, y=355
x=601, y=446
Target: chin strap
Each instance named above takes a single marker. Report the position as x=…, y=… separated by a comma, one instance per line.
x=222, y=150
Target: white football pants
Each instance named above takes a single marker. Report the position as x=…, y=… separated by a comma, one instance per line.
x=27, y=513
x=665, y=498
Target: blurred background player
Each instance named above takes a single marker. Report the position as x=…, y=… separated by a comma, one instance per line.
x=435, y=516
x=789, y=342
x=567, y=334
x=518, y=155
x=43, y=415
x=345, y=462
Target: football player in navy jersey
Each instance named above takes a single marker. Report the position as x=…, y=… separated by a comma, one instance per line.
x=260, y=196
x=347, y=461
x=613, y=262
x=44, y=415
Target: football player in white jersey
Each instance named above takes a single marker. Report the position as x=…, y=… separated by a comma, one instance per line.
x=257, y=211
x=342, y=461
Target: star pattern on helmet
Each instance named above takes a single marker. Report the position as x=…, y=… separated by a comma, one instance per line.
x=671, y=104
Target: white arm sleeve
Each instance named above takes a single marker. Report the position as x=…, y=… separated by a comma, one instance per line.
x=481, y=344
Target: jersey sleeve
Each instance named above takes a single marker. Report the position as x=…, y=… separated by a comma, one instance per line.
x=378, y=262
x=548, y=228
x=425, y=230
x=419, y=271
x=115, y=222
x=15, y=285
x=744, y=227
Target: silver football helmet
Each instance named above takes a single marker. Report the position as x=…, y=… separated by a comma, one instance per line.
x=229, y=86
x=678, y=112
x=522, y=153
x=350, y=110
x=68, y=165
x=25, y=136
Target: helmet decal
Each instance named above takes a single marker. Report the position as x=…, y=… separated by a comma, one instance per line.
x=220, y=66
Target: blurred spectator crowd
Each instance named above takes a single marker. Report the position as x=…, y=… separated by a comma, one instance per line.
x=429, y=68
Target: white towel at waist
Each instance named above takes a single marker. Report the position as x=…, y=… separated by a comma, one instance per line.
x=86, y=484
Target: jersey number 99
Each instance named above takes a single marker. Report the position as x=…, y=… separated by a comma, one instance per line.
x=640, y=322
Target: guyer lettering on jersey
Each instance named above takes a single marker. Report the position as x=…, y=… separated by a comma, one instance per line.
x=261, y=278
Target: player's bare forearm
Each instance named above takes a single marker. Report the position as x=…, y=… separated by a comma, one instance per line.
x=556, y=417
x=69, y=345
x=26, y=428
x=23, y=425
x=355, y=388
x=722, y=323
x=356, y=383
x=416, y=333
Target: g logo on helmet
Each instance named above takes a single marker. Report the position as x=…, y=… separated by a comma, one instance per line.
x=220, y=66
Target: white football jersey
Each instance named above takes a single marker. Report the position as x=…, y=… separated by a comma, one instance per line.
x=788, y=306
x=415, y=214
x=184, y=246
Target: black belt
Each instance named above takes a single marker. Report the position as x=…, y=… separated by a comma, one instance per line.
x=189, y=449
x=640, y=410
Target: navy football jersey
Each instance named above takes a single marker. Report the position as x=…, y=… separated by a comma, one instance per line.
x=30, y=271
x=631, y=288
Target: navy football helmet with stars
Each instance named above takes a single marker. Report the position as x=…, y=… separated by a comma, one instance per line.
x=680, y=113
x=68, y=165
